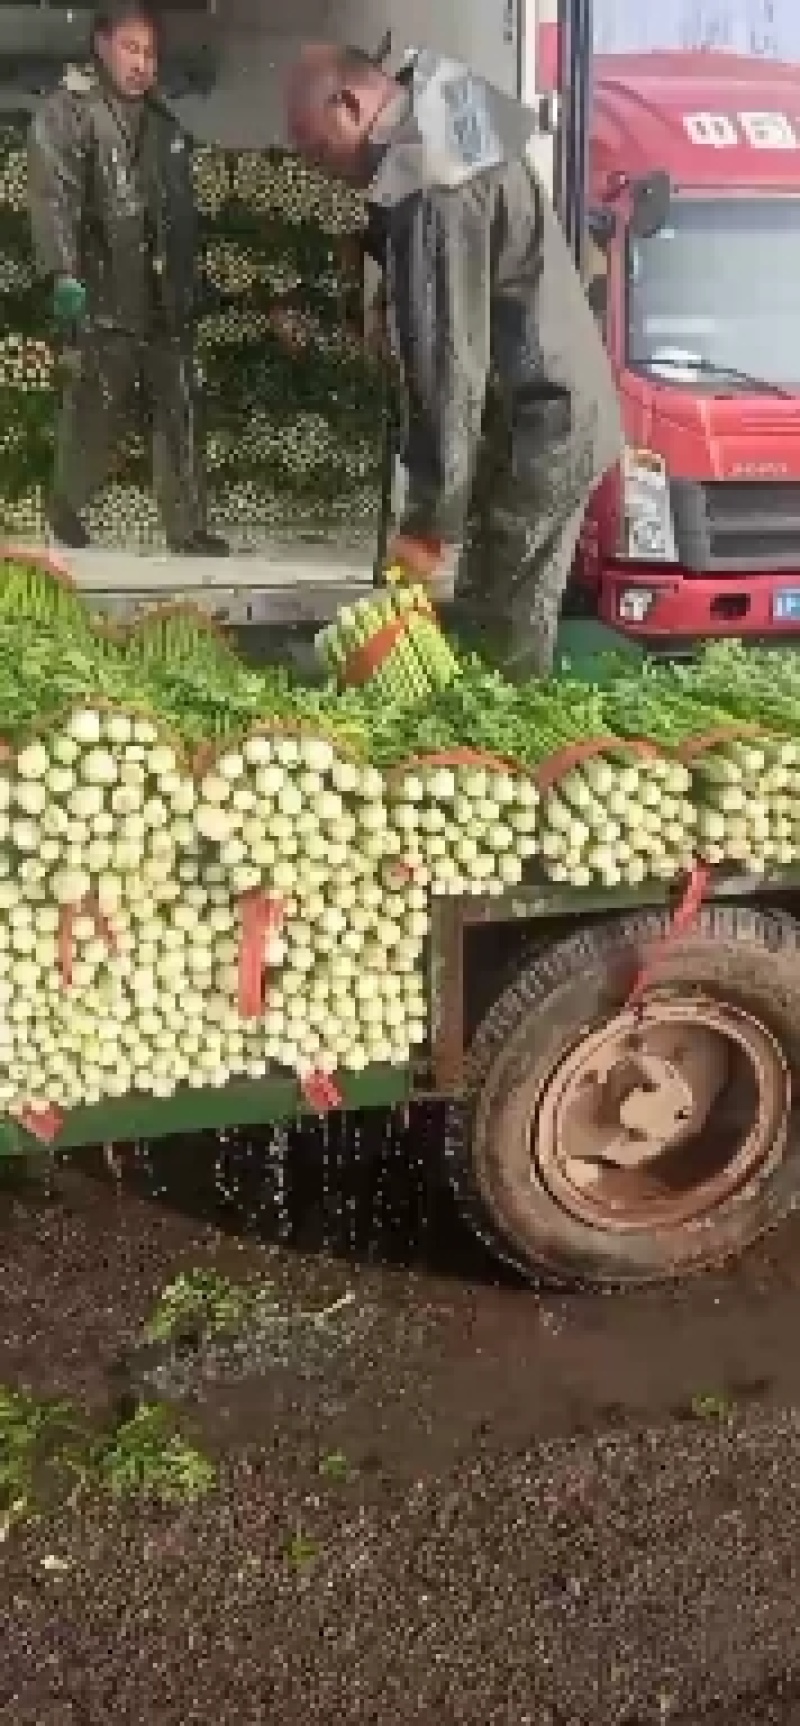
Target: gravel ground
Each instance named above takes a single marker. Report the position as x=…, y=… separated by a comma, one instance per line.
x=537, y=1522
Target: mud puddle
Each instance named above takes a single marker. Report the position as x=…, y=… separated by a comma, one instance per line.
x=385, y=1334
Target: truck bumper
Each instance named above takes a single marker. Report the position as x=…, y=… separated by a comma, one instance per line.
x=648, y=602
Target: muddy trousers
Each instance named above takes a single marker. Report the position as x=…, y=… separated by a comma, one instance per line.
x=96, y=405
x=528, y=505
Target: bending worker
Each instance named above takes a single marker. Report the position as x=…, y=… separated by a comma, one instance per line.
x=111, y=205
x=509, y=391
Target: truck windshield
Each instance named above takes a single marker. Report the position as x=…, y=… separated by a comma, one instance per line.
x=713, y=298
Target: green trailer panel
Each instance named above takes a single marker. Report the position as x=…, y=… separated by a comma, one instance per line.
x=252, y=1103
x=537, y=901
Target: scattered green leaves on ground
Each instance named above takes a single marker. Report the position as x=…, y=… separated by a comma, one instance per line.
x=43, y=1447
x=50, y=1450
x=335, y=1466
x=148, y=1454
x=204, y=1301
x=203, y=1304
x=711, y=1405
x=301, y=1549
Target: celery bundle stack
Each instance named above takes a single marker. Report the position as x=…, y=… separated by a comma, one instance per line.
x=618, y=819
x=129, y=956
x=210, y=872
x=390, y=642
x=729, y=719
x=467, y=827
x=747, y=811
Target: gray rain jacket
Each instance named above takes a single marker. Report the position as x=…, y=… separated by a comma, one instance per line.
x=481, y=286
x=111, y=206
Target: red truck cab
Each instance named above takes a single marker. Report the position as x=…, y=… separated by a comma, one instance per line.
x=694, y=214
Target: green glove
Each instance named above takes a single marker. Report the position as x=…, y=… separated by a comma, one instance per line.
x=69, y=302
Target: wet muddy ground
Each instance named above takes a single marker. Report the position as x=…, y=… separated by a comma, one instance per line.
x=441, y=1495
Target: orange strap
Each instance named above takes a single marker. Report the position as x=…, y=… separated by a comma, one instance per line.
x=400, y=873
x=457, y=758
x=36, y=560
x=722, y=734
x=262, y=915
x=321, y=1092
x=684, y=915
x=42, y=1124
x=66, y=935
x=363, y=664
x=559, y=765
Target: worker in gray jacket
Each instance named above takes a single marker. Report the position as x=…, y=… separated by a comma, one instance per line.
x=111, y=205
x=509, y=390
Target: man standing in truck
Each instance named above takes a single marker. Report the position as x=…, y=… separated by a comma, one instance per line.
x=112, y=214
x=509, y=390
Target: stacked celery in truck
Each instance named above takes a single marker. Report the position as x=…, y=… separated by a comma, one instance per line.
x=156, y=794
x=154, y=791
x=224, y=883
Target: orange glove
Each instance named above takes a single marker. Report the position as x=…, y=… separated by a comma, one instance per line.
x=417, y=558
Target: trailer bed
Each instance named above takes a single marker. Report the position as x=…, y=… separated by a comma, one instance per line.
x=278, y=1097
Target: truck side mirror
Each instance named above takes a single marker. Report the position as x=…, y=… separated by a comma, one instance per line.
x=651, y=199
x=596, y=294
x=601, y=226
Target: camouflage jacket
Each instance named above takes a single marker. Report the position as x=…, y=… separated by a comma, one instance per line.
x=481, y=286
x=111, y=200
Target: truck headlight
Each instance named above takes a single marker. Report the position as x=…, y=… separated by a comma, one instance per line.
x=649, y=531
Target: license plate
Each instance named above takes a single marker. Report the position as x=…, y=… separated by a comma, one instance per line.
x=786, y=605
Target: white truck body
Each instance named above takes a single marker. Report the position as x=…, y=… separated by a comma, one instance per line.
x=286, y=579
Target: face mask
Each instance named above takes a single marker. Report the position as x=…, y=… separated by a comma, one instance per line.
x=393, y=118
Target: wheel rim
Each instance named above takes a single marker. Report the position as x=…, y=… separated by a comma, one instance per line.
x=659, y=1115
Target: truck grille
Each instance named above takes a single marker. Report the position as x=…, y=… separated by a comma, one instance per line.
x=758, y=520
x=737, y=525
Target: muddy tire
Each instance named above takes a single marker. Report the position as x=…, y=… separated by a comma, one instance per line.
x=554, y=1041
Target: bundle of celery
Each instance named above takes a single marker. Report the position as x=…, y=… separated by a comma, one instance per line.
x=131, y=866
x=391, y=642
x=126, y=890
x=466, y=825
x=608, y=815
x=619, y=819
x=724, y=717
x=747, y=810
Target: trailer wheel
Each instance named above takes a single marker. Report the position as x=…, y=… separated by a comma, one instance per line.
x=603, y=1144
